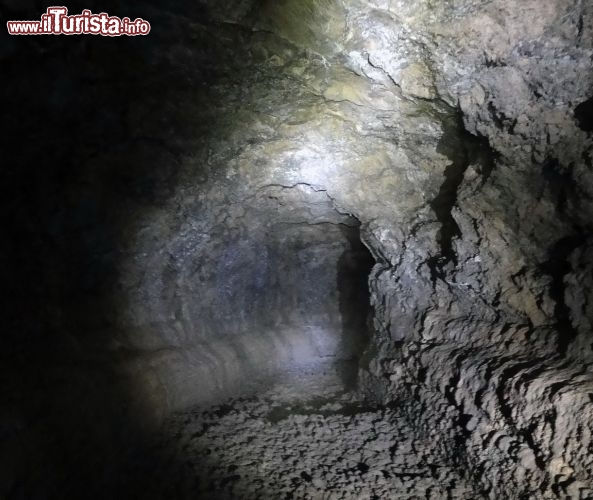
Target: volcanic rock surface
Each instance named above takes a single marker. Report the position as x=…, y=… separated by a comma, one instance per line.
x=399, y=190
x=304, y=437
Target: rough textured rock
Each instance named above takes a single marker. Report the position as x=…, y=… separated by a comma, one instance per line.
x=305, y=438
x=185, y=213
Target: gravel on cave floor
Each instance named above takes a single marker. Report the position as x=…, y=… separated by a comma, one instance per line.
x=305, y=438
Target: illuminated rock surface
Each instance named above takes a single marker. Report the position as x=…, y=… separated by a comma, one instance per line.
x=194, y=214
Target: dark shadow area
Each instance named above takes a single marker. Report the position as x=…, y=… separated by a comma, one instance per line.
x=584, y=115
x=563, y=190
x=79, y=159
x=463, y=149
x=557, y=267
x=354, y=268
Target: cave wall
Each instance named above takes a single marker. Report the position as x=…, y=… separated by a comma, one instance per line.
x=493, y=334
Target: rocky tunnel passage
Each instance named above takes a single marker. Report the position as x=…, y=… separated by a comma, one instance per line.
x=285, y=286
x=300, y=249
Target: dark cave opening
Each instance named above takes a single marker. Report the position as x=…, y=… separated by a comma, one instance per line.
x=584, y=115
x=290, y=299
x=316, y=296
x=354, y=267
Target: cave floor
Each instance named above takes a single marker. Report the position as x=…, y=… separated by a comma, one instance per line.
x=305, y=438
